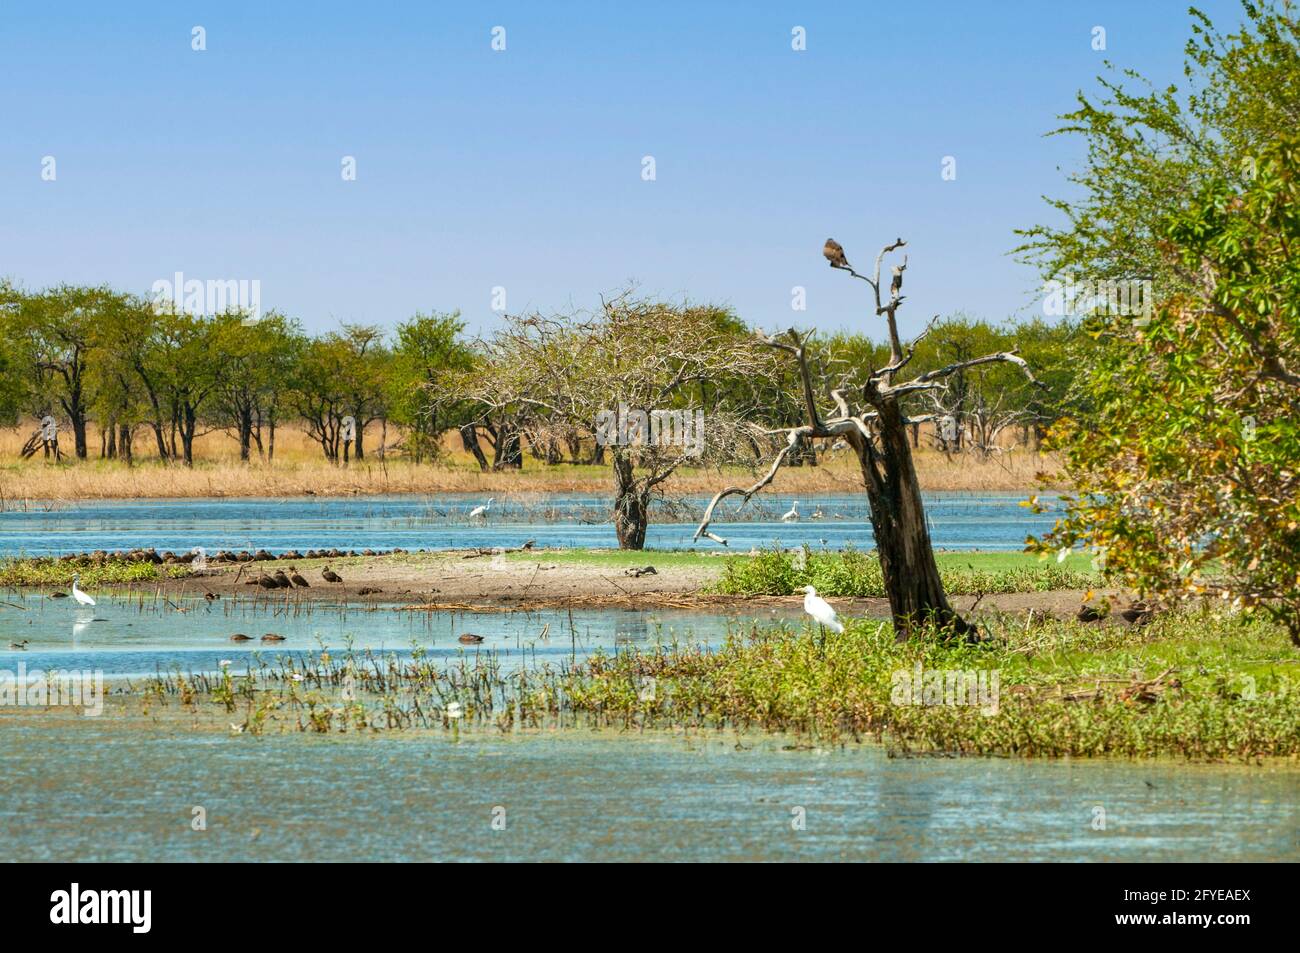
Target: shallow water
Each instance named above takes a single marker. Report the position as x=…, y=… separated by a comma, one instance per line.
x=76, y=788
x=957, y=521
x=121, y=638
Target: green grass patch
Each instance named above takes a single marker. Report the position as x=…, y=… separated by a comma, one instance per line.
x=1201, y=687
x=44, y=571
x=853, y=573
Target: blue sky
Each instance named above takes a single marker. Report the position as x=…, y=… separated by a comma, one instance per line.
x=523, y=168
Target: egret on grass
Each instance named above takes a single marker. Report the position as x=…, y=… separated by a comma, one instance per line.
x=482, y=510
x=821, y=610
x=793, y=515
x=80, y=596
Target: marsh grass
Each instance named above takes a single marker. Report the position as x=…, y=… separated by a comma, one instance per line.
x=850, y=573
x=1225, y=688
x=46, y=571
x=299, y=468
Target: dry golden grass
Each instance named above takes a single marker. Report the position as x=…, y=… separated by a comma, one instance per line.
x=299, y=469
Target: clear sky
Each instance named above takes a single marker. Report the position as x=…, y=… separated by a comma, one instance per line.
x=522, y=168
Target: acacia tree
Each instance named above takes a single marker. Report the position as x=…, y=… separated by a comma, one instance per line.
x=874, y=425
x=628, y=375
x=260, y=357
x=427, y=347
x=186, y=359
x=365, y=386
x=319, y=395
x=58, y=327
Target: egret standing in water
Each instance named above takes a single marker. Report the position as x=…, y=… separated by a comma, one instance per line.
x=793, y=515
x=80, y=596
x=482, y=510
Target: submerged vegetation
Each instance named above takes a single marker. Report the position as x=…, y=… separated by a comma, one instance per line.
x=1196, y=686
x=853, y=573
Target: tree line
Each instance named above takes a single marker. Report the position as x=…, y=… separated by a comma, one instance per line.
x=149, y=381
x=126, y=379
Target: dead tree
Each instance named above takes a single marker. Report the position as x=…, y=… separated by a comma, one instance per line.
x=877, y=431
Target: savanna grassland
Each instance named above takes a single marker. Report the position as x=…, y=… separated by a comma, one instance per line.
x=299, y=468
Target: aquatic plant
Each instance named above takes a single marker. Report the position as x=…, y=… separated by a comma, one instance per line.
x=1201, y=686
x=849, y=572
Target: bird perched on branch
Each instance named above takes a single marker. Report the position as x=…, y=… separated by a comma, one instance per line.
x=835, y=254
x=896, y=283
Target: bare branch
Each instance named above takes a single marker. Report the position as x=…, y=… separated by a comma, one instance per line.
x=1010, y=357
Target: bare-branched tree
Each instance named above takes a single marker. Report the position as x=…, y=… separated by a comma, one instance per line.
x=631, y=376
x=872, y=422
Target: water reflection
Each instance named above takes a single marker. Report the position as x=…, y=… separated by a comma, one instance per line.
x=126, y=636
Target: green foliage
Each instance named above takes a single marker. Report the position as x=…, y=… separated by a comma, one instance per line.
x=46, y=571
x=1190, y=471
x=856, y=574
x=1234, y=696
x=1185, y=439
x=429, y=350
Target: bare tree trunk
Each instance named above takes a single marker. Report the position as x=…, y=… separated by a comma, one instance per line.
x=911, y=575
x=880, y=439
x=631, y=505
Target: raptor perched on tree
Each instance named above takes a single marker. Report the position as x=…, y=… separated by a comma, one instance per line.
x=835, y=254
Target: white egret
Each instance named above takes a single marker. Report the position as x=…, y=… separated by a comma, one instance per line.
x=482, y=510
x=80, y=596
x=793, y=515
x=821, y=610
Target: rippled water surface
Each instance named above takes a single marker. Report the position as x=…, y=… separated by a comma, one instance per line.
x=130, y=637
x=89, y=789
x=957, y=521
